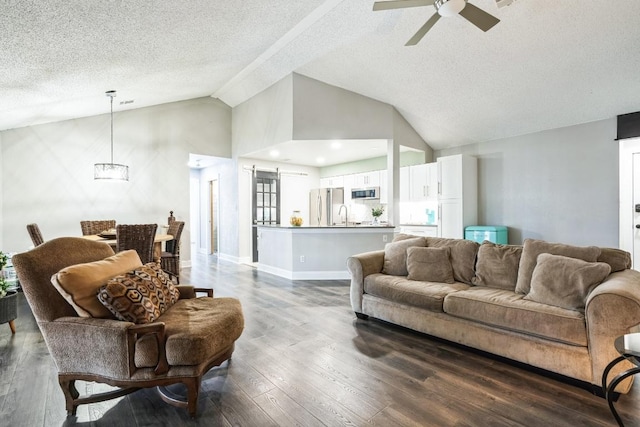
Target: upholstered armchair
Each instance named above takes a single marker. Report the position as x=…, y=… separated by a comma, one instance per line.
x=189, y=338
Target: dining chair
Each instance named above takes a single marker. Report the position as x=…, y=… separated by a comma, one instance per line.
x=170, y=259
x=139, y=237
x=97, y=227
x=36, y=235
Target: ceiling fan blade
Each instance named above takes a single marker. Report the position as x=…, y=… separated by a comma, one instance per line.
x=479, y=17
x=399, y=4
x=423, y=30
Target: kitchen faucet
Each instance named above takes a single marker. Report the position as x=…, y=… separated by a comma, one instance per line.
x=346, y=214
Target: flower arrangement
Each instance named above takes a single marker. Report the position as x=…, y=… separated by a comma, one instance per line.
x=376, y=212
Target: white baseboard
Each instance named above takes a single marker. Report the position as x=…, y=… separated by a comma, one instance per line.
x=304, y=275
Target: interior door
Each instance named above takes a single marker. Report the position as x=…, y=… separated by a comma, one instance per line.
x=636, y=210
x=265, y=202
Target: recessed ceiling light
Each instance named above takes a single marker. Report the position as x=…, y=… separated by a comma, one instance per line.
x=274, y=153
x=336, y=145
x=320, y=160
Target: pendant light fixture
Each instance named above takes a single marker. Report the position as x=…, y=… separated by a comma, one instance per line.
x=113, y=171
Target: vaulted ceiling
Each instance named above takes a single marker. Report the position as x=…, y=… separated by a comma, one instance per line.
x=547, y=64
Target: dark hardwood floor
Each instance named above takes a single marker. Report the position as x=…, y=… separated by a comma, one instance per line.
x=304, y=360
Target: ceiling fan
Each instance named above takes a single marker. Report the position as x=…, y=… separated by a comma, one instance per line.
x=446, y=8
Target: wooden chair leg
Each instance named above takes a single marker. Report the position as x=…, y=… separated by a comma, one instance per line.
x=193, y=388
x=70, y=395
x=12, y=325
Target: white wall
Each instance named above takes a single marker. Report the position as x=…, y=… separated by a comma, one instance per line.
x=322, y=111
x=47, y=170
x=264, y=120
x=558, y=185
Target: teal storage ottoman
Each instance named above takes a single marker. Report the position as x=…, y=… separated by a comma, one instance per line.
x=493, y=233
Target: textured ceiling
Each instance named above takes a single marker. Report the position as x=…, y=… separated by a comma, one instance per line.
x=547, y=64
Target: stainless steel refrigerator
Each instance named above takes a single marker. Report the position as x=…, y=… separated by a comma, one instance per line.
x=324, y=204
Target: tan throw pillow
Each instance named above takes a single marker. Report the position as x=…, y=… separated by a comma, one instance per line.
x=532, y=248
x=79, y=284
x=395, y=256
x=617, y=258
x=429, y=265
x=463, y=256
x=497, y=266
x=139, y=296
x=565, y=282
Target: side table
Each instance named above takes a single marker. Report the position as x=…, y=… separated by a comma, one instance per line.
x=9, y=310
x=629, y=348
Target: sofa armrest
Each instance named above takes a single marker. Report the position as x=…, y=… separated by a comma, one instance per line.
x=360, y=266
x=612, y=309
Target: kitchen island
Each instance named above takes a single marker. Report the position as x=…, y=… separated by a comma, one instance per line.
x=316, y=253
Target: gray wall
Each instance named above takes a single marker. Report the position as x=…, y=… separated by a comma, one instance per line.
x=47, y=170
x=559, y=185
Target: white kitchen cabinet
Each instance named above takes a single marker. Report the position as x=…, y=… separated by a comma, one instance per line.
x=420, y=230
x=384, y=187
x=405, y=184
x=366, y=179
x=450, y=219
x=423, y=182
x=458, y=194
x=332, y=182
x=457, y=175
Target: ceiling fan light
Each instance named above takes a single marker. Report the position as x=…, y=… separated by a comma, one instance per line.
x=447, y=8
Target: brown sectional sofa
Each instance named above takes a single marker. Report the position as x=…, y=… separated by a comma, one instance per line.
x=553, y=306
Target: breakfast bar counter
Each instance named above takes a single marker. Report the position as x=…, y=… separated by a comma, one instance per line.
x=316, y=253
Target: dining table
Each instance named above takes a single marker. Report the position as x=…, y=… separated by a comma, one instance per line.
x=111, y=241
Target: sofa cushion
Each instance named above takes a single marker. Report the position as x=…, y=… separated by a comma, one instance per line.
x=139, y=296
x=196, y=329
x=395, y=255
x=617, y=259
x=427, y=295
x=565, y=282
x=532, y=248
x=463, y=256
x=509, y=310
x=79, y=284
x=429, y=265
x=497, y=266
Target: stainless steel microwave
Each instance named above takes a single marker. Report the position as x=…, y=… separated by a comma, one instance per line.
x=365, y=193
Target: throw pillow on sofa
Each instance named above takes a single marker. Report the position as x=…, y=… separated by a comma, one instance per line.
x=617, y=258
x=429, y=264
x=497, y=266
x=79, y=283
x=565, y=282
x=463, y=256
x=139, y=296
x=395, y=256
x=532, y=248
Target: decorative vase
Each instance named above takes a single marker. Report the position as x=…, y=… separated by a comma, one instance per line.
x=375, y=220
x=296, y=219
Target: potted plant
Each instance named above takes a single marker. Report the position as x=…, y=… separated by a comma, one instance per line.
x=8, y=299
x=377, y=213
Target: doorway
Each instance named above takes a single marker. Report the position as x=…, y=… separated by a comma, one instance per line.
x=265, y=195
x=213, y=216
x=629, y=209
